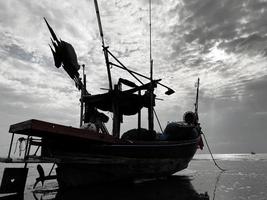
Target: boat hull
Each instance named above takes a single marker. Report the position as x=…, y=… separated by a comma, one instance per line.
x=120, y=164
x=78, y=175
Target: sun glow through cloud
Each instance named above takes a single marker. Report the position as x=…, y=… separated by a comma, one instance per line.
x=218, y=54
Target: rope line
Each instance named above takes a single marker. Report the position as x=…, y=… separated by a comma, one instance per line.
x=212, y=154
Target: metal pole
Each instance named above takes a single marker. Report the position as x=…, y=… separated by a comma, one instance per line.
x=10, y=146
x=51, y=170
x=139, y=114
x=82, y=93
x=125, y=68
x=116, y=114
x=26, y=151
x=133, y=72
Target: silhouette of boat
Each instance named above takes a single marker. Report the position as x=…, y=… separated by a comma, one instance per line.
x=91, y=154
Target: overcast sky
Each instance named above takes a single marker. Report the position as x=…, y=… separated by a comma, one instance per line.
x=223, y=42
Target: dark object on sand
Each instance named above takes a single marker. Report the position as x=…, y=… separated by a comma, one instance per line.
x=14, y=180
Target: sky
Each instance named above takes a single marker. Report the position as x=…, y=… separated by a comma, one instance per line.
x=223, y=42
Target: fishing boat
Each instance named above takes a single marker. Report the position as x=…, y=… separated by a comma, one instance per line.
x=91, y=153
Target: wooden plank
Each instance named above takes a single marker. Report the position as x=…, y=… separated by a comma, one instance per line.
x=5, y=160
x=39, y=128
x=20, y=126
x=36, y=159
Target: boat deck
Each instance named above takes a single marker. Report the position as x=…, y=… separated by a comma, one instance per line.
x=42, y=129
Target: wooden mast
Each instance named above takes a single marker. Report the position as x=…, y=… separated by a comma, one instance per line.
x=105, y=48
x=117, y=118
x=83, y=92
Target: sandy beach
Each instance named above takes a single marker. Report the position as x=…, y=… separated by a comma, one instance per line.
x=245, y=178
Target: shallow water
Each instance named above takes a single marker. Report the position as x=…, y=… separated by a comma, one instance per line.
x=245, y=178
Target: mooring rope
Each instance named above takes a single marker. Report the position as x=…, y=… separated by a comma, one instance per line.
x=212, y=154
x=216, y=184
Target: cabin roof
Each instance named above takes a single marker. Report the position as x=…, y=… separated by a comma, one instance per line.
x=44, y=129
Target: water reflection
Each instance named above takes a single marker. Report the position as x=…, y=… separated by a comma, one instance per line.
x=216, y=184
x=175, y=187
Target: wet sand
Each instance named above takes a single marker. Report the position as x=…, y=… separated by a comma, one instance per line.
x=245, y=178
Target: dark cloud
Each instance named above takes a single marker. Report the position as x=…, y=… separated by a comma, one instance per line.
x=236, y=26
x=252, y=45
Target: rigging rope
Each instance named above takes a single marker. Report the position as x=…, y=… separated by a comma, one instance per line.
x=158, y=120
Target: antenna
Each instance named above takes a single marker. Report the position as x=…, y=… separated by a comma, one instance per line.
x=151, y=90
x=150, y=44
x=196, y=103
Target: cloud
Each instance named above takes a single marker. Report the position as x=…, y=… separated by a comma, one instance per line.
x=223, y=42
x=256, y=96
